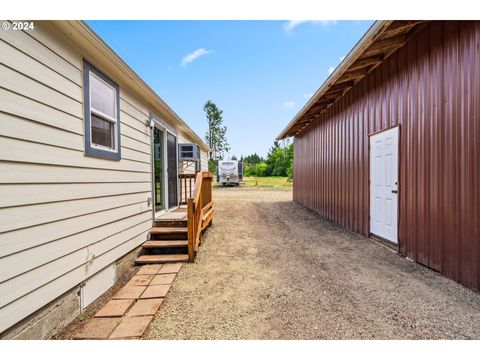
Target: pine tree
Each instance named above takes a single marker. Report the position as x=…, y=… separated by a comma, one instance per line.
x=216, y=136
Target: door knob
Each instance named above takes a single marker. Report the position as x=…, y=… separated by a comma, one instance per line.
x=395, y=188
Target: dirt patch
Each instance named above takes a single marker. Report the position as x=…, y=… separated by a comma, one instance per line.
x=269, y=268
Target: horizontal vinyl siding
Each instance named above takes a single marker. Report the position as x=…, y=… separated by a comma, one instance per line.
x=429, y=88
x=204, y=160
x=27, y=173
x=57, y=206
x=25, y=238
x=186, y=168
x=30, y=194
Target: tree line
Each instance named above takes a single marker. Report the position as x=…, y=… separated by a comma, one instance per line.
x=279, y=160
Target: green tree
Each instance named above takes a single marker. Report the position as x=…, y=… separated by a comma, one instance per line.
x=249, y=164
x=261, y=169
x=248, y=170
x=274, y=148
x=216, y=136
x=272, y=158
x=253, y=159
x=279, y=160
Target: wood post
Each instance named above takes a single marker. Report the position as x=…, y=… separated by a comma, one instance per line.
x=190, y=229
x=200, y=199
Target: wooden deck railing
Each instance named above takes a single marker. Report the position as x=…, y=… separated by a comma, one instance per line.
x=199, y=211
x=187, y=182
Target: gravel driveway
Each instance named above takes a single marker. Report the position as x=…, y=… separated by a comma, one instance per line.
x=271, y=269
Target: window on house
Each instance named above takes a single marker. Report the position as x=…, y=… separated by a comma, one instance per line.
x=102, y=115
x=187, y=151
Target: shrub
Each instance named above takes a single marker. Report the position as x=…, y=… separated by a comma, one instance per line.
x=261, y=169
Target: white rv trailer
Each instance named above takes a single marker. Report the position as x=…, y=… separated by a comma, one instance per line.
x=229, y=172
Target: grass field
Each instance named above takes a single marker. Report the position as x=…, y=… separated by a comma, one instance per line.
x=272, y=182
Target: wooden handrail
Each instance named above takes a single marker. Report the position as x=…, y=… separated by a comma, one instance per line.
x=200, y=199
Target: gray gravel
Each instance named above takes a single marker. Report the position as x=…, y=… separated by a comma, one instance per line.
x=269, y=268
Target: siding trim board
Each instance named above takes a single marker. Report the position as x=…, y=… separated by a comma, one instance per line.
x=430, y=88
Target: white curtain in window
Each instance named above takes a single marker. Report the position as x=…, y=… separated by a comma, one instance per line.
x=102, y=96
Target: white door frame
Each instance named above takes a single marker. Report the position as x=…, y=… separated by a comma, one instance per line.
x=390, y=187
x=166, y=169
x=166, y=128
x=160, y=126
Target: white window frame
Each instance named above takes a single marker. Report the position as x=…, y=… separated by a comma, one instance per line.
x=104, y=116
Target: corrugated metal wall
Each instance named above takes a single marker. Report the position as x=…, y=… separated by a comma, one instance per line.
x=431, y=89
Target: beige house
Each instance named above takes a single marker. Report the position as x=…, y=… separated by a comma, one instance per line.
x=89, y=155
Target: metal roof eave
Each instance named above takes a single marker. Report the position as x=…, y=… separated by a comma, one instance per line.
x=367, y=39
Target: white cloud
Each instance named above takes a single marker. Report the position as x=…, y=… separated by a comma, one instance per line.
x=194, y=55
x=292, y=24
x=307, y=96
x=331, y=69
x=289, y=104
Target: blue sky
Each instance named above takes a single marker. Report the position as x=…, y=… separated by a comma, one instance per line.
x=260, y=73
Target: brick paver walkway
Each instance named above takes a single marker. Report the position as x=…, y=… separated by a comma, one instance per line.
x=130, y=311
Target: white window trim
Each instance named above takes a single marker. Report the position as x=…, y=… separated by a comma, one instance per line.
x=104, y=116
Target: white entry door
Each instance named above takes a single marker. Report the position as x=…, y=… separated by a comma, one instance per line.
x=384, y=184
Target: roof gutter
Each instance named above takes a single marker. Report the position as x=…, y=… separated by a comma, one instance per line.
x=367, y=39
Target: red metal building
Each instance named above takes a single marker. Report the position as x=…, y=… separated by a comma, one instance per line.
x=390, y=143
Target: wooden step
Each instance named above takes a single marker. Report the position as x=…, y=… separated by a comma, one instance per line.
x=170, y=223
x=168, y=230
x=161, y=259
x=154, y=244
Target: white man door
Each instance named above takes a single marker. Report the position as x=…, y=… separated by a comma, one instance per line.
x=384, y=184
